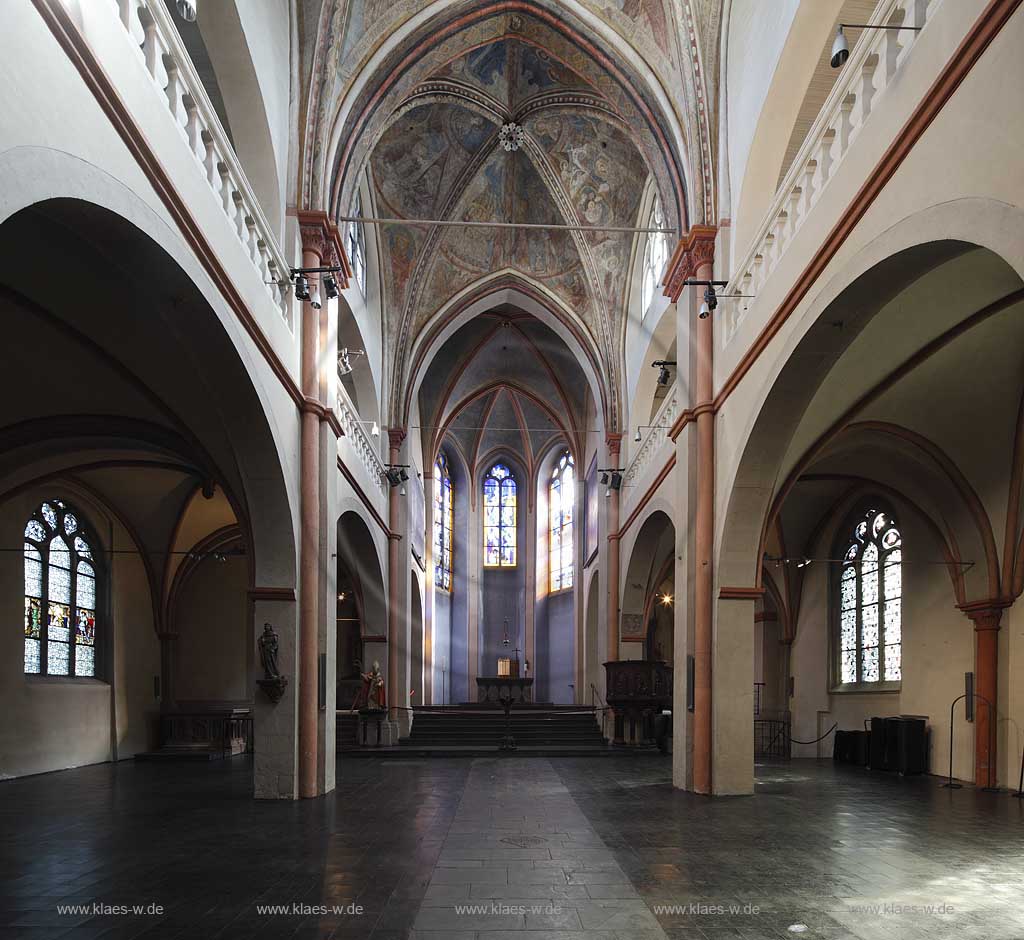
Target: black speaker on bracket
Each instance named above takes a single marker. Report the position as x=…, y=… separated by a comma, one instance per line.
x=969, y=692
x=690, y=675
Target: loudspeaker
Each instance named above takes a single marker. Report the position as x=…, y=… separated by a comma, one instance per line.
x=690, y=676
x=876, y=747
x=910, y=749
x=969, y=692
x=321, y=682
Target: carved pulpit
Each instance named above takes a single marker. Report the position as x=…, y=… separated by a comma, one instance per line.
x=638, y=689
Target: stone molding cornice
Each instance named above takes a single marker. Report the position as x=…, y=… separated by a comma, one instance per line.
x=320, y=235
x=695, y=248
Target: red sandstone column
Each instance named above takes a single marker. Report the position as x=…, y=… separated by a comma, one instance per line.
x=614, y=442
x=704, y=533
x=986, y=662
x=395, y=571
x=309, y=544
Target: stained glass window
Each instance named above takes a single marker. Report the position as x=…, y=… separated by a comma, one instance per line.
x=655, y=258
x=499, y=518
x=442, y=524
x=60, y=579
x=355, y=246
x=870, y=602
x=561, y=504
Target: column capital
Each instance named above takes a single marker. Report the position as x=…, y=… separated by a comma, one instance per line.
x=396, y=437
x=695, y=248
x=614, y=442
x=320, y=235
x=985, y=614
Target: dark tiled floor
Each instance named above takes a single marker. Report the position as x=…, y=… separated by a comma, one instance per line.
x=560, y=849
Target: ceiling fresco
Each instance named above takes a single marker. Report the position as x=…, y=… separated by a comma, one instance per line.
x=418, y=102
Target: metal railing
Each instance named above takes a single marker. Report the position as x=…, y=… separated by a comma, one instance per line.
x=772, y=737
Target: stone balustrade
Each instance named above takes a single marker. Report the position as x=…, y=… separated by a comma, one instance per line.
x=651, y=442
x=358, y=442
x=152, y=33
x=873, y=66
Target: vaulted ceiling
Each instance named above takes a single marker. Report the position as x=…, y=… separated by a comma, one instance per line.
x=504, y=383
x=609, y=95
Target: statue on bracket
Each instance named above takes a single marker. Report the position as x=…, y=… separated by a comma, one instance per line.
x=272, y=683
x=371, y=696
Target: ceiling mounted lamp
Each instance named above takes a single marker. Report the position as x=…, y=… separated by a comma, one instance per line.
x=511, y=137
x=187, y=9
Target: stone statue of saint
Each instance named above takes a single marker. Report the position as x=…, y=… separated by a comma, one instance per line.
x=373, y=689
x=268, y=652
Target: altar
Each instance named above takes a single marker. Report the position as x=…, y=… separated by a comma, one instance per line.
x=490, y=690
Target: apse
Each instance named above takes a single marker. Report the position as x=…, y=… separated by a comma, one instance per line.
x=504, y=408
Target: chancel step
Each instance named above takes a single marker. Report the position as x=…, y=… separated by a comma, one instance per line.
x=544, y=730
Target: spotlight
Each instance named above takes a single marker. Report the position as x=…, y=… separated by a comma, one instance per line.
x=375, y=430
x=330, y=287
x=804, y=562
x=666, y=599
x=344, y=364
x=302, y=287
x=604, y=479
x=616, y=481
x=315, y=300
x=840, y=50
x=608, y=493
x=704, y=312
x=638, y=438
x=187, y=10
x=663, y=376
x=393, y=477
x=403, y=476
x=710, y=297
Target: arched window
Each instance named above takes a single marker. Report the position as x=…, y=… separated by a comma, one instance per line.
x=355, y=245
x=442, y=524
x=870, y=605
x=561, y=502
x=655, y=258
x=60, y=594
x=499, y=518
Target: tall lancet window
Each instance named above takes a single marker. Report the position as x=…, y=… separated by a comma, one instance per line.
x=870, y=602
x=655, y=257
x=442, y=525
x=499, y=518
x=355, y=245
x=60, y=594
x=561, y=503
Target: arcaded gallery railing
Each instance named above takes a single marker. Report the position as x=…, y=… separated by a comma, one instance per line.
x=651, y=444
x=357, y=449
x=152, y=34
x=873, y=67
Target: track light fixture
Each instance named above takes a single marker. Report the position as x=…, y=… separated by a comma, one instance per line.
x=396, y=475
x=330, y=282
x=841, y=49
x=345, y=367
x=611, y=477
x=711, y=298
x=663, y=375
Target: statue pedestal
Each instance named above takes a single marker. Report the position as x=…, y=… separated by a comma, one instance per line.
x=490, y=690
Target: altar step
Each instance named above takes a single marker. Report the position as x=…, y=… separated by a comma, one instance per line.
x=538, y=730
